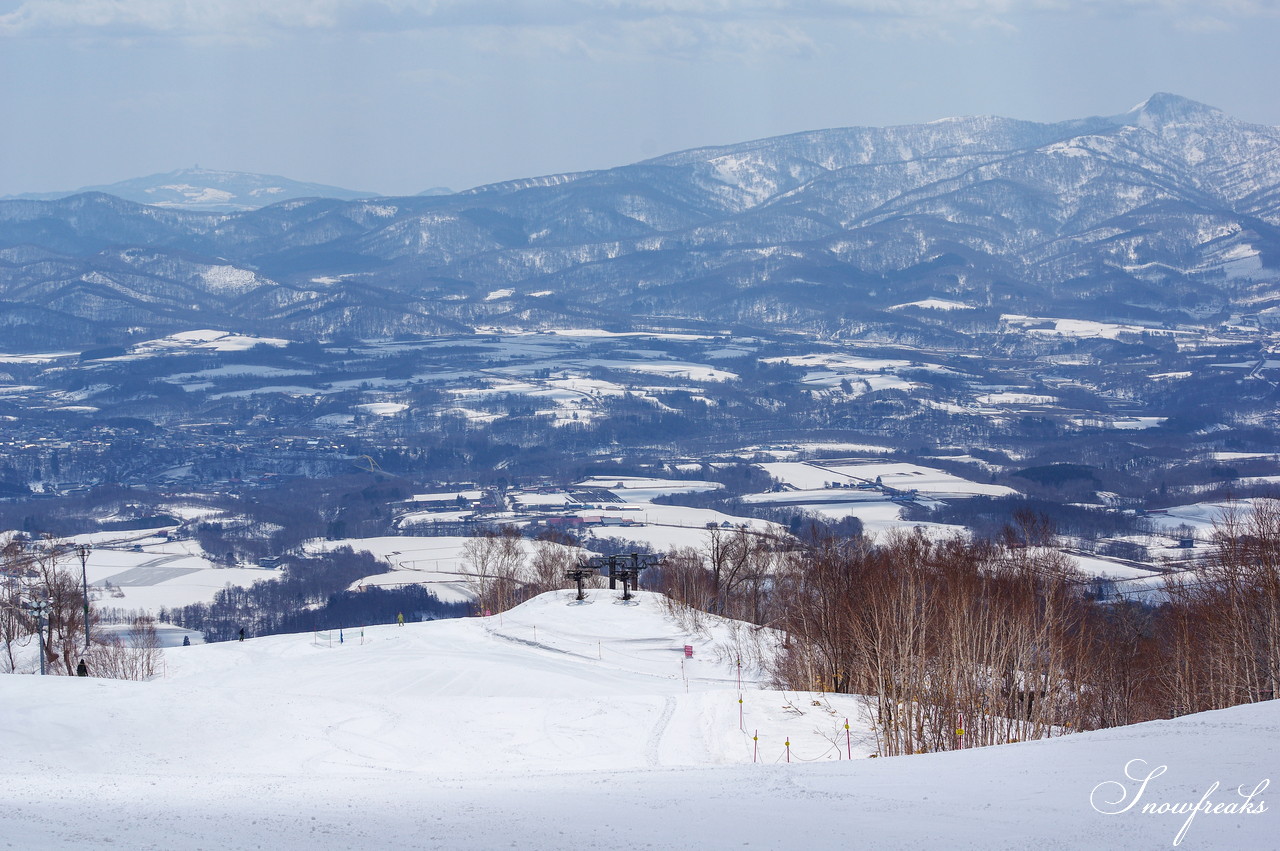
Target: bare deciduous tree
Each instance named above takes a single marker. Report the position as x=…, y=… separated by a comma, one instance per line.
x=1226, y=627
x=550, y=563
x=494, y=567
x=136, y=657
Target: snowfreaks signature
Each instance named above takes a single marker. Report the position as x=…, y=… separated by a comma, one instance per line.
x=1113, y=797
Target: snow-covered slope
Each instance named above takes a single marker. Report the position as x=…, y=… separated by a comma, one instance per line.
x=210, y=189
x=560, y=725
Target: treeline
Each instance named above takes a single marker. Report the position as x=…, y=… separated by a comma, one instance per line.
x=961, y=643
x=273, y=522
x=1220, y=637
x=311, y=594
x=257, y=523
x=941, y=637
x=992, y=517
x=502, y=569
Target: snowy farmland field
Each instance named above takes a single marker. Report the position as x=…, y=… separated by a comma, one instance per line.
x=927, y=480
x=147, y=572
x=812, y=475
x=636, y=490
x=1200, y=517
x=559, y=725
x=435, y=563
x=661, y=527
x=866, y=489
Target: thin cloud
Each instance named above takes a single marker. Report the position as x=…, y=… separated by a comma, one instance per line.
x=671, y=37
x=1204, y=25
x=106, y=18
x=258, y=18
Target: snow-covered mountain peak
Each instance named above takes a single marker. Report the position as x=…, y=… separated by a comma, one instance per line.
x=1163, y=108
x=970, y=210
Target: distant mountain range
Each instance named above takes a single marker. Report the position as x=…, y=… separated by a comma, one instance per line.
x=1167, y=213
x=207, y=189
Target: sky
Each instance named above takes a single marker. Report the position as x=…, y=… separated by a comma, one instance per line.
x=398, y=96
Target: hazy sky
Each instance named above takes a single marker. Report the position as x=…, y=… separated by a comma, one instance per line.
x=396, y=96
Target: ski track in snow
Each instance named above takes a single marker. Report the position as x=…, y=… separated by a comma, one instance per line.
x=654, y=741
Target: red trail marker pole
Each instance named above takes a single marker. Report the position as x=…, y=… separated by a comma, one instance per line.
x=848, y=740
x=788, y=744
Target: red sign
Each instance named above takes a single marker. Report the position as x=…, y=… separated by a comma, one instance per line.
x=688, y=651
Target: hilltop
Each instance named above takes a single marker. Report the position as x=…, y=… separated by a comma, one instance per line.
x=558, y=725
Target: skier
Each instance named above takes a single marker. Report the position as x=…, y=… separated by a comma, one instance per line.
x=242, y=633
x=82, y=670
x=400, y=619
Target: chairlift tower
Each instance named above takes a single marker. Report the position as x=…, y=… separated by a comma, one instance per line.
x=624, y=567
x=578, y=575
